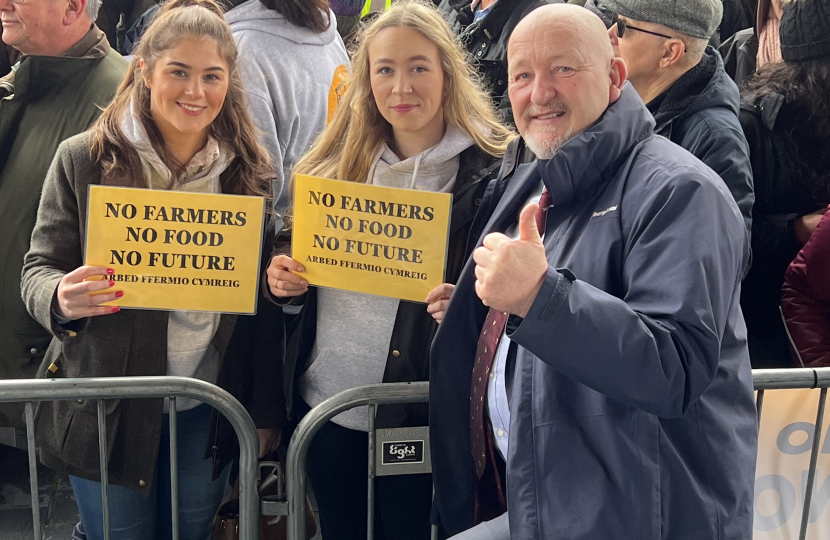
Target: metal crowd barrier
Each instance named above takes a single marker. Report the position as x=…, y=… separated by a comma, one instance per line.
x=785, y=379
x=380, y=394
x=28, y=390
x=295, y=477
x=372, y=395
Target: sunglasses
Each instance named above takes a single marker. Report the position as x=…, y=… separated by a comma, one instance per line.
x=622, y=26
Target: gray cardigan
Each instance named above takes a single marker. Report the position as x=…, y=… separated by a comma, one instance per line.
x=127, y=343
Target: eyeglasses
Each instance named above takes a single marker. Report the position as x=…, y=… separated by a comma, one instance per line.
x=622, y=26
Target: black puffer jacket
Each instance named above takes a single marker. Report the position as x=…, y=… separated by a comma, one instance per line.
x=487, y=40
x=408, y=354
x=784, y=149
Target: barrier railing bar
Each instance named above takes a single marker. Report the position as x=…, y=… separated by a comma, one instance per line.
x=811, y=476
x=370, y=496
x=788, y=378
x=30, y=441
x=376, y=394
x=174, y=467
x=100, y=388
x=759, y=405
x=102, y=459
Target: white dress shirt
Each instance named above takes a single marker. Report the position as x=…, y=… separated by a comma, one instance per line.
x=497, y=405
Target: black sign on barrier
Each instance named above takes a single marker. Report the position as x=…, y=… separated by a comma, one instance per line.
x=402, y=451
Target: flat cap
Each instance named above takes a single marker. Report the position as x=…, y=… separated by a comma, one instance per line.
x=695, y=18
x=805, y=30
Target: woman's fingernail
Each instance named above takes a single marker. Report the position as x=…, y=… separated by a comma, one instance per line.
x=119, y=294
x=112, y=283
x=116, y=309
x=110, y=271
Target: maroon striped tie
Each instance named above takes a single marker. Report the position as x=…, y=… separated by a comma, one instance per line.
x=488, y=343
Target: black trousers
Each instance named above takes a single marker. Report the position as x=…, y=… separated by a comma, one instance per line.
x=338, y=470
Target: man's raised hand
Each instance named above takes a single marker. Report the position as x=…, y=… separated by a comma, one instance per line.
x=509, y=273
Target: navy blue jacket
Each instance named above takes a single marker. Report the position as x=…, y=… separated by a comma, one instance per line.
x=700, y=113
x=632, y=404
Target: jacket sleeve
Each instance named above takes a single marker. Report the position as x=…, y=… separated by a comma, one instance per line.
x=816, y=255
x=55, y=248
x=655, y=347
x=724, y=149
x=806, y=298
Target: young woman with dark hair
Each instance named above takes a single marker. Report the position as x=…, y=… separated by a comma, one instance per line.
x=785, y=114
x=177, y=122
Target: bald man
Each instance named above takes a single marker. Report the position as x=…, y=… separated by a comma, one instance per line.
x=591, y=370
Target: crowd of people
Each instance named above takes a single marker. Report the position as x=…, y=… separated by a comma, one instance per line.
x=639, y=217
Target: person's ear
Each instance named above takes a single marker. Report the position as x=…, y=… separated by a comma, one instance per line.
x=671, y=52
x=145, y=77
x=618, y=76
x=75, y=9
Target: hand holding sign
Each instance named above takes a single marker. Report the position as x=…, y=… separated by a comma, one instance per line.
x=75, y=298
x=509, y=273
x=282, y=282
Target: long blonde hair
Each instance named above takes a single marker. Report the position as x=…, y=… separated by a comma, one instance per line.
x=346, y=148
x=250, y=173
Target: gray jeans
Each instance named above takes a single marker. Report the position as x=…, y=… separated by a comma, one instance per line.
x=496, y=529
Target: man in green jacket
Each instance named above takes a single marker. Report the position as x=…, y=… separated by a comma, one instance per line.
x=66, y=74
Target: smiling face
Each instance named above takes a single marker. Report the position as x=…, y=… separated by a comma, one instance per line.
x=408, y=84
x=30, y=26
x=188, y=84
x=561, y=75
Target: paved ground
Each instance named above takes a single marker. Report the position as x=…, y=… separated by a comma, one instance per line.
x=58, y=513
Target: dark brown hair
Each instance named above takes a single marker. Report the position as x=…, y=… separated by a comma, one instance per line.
x=311, y=14
x=249, y=173
x=806, y=90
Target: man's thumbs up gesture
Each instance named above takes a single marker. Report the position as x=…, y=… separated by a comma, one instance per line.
x=509, y=273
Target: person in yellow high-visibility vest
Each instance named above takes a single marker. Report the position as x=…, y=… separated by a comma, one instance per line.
x=373, y=6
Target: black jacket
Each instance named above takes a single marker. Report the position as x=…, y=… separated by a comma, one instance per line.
x=700, y=113
x=487, y=40
x=408, y=355
x=784, y=150
x=740, y=54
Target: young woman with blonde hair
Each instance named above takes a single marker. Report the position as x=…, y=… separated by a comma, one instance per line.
x=177, y=122
x=414, y=116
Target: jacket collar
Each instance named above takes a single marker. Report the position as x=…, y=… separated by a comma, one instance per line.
x=94, y=44
x=705, y=86
x=591, y=158
x=38, y=73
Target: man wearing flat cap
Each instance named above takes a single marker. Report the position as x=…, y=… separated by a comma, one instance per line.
x=683, y=83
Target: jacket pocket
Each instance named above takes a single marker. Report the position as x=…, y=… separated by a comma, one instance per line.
x=101, y=350
x=69, y=431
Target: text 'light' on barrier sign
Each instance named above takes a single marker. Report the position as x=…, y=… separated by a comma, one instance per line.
x=402, y=451
x=176, y=250
x=370, y=239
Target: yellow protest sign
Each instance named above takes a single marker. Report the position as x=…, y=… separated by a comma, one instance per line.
x=788, y=430
x=370, y=239
x=176, y=250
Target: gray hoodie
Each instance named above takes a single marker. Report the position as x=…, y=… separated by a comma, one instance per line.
x=354, y=329
x=288, y=73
